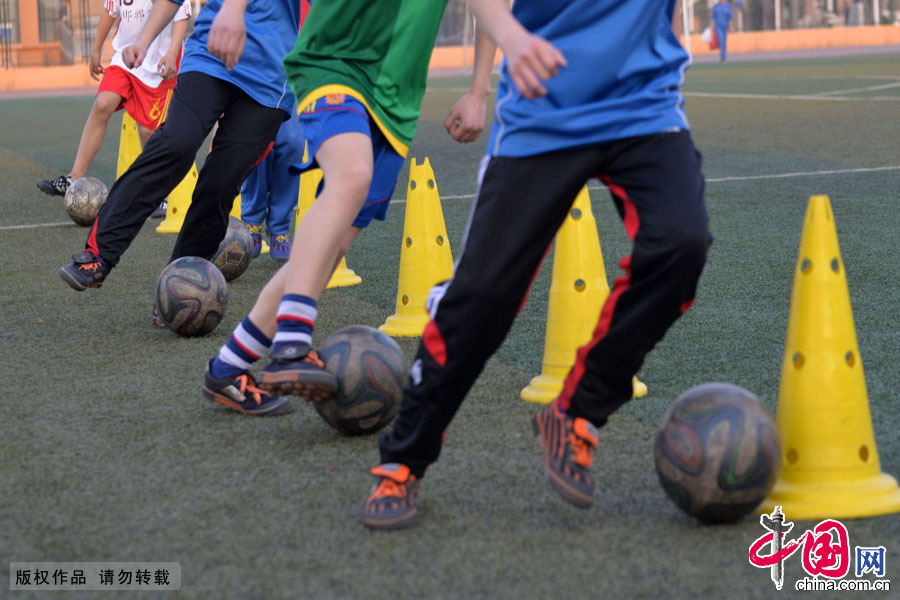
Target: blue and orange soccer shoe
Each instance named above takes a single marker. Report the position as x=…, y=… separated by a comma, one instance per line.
x=393, y=500
x=241, y=393
x=567, y=443
x=279, y=247
x=297, y=369
x=85, y=271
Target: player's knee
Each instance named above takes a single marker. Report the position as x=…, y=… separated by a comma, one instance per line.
x=175, y=145
x=353, y=180
x=689, y=243
x=105, y=105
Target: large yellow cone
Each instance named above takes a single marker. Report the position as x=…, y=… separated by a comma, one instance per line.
x=129, y=144
x=343, y=276
x=425, y=257
x=830, y=466
x=578, y=289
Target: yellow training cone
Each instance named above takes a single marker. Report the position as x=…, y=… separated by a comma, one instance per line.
x=578, y=290
x=179, y=202
x=129, y=144
x=343, y=276
x=830, y=466
x=425, y=257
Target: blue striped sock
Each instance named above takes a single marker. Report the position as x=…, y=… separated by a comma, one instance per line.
x=296, y=320
x=245, y=346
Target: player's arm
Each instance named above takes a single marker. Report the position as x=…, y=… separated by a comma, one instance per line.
x=103, y=28
x=160, y=15
x=530, y=59
x=168, y=64
x=466, y=119
x=228, y=33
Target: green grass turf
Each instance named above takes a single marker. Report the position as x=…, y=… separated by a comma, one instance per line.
x=110, y=454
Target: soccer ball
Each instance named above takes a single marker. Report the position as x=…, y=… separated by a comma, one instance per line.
x=84, y=198
x=371, y=371
x=191, y=296
x=717, y=452
x=235, y=251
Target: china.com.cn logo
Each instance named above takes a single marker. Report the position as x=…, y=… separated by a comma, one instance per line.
x=826, y=553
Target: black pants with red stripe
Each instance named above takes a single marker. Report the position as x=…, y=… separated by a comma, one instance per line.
x=246, y=127
x=657, y=186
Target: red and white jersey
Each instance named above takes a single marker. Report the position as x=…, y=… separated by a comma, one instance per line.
x=133, y=14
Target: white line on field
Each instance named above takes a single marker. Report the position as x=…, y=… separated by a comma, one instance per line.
x=35, y=226
x=790, y=97
x=870, y=88
x=592, y=187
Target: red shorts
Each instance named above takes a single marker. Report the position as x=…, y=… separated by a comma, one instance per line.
x=145, y=104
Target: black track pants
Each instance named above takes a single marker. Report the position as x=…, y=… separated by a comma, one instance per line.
x=245, y=130
x=657, y=186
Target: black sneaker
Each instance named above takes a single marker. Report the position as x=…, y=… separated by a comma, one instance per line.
x=160, y=211
x=55, y=187
x=296, y=369
x=241, y=393
x=567, y=443
x=84, y=272
x=392, y=502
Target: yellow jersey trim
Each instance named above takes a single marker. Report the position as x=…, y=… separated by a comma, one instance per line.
x=311, y=98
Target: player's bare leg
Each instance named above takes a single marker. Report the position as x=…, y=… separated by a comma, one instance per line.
x=105, y=104
x=322, y=236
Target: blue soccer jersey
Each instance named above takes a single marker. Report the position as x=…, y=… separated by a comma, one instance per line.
x=623, y=79
x=272, y=27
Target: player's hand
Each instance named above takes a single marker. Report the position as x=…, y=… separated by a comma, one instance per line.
x=95, y=66
x=465, y=122
x=134, y=55
x=532, y=60
x=227, y=36
x=168, y=66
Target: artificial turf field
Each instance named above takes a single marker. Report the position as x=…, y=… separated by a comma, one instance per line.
x=109, y=453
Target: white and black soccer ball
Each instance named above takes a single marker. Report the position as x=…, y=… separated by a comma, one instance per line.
x=84, y=198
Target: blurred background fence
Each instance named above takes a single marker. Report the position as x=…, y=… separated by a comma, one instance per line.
x=61, y=32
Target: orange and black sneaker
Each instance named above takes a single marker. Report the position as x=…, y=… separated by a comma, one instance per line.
x=241, y=393
x=296, y=369
x=567, y=443
x=85, y=271
x=392, y=502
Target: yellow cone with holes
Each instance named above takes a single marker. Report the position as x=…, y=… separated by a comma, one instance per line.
x=830, y=466
x=343, y=276
x=425, y=257
x=129, y=144
x=578, y=289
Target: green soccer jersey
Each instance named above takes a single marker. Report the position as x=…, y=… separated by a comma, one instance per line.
x=376, y=51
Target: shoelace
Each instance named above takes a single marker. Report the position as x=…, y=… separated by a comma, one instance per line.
x=312, y=357
x=247, y=385
x=581, y=450
x=281, y=239
x=89, y=267
x=388, y=488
